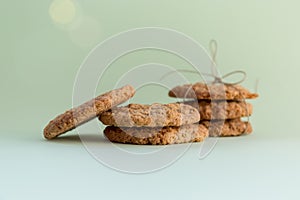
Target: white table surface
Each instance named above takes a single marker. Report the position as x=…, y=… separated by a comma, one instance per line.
x=250, y=167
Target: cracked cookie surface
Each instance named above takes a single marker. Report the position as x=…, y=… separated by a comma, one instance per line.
x=156, y=135
x=214, y=91
x=221, y=109
x=231, y=127
x=154, y=115
x=87, y=111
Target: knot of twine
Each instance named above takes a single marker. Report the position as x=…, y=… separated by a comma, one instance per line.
x=213, y=46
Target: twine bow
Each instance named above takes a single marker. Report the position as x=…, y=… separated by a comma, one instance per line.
x=213, y=46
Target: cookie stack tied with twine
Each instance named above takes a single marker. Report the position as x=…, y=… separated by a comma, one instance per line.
x=156, y=124
x=220, y=104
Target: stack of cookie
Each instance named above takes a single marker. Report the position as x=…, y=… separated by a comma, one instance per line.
x=156, y=124
x=221, y=106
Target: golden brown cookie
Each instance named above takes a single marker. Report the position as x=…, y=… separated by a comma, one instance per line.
x=154, y=115
x=231, y=127
x=87, y=111
x=157, y=136
x=221, y=109
x=215, y=91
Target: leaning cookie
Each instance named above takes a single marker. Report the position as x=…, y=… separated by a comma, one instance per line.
x=222, y=109
x=157, y=136
x=215, y=91
x=87, y=111
x=155, y=115
x=231, y=127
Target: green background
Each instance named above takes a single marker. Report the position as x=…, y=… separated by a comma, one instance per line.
x=41, y=51
x=40, y=57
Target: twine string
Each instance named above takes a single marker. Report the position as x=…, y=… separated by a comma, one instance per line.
x=213, y=46
x=216, y=78
x=213, y=50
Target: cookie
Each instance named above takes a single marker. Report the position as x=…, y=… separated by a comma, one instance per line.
x=231, y=127
x=214, y=91
x=87, y=111
x=157, y=136
x=221, y=109
x=154, y=115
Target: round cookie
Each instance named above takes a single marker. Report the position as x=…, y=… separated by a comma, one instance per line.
x=157, y=136
x=221, y=109
x=231, y=127
x=215, y=91
x=87, y=111
x=154, y=115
